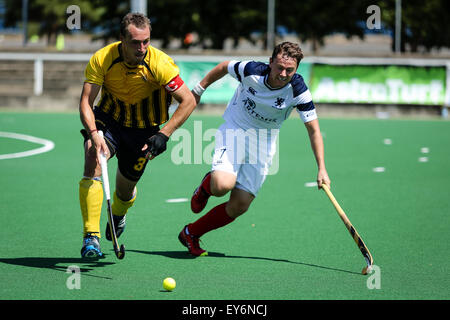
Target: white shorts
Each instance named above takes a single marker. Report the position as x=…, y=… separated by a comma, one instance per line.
x=247, y=154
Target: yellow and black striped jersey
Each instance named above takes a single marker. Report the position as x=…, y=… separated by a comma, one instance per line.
x=133, y=95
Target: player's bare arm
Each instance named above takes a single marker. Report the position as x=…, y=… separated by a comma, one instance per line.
x=215, y=74
x=212, y=76
x=88, y=95
x=187, y=104
x=315, y=137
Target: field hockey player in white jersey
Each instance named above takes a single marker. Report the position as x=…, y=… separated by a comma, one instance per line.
x=246, y=142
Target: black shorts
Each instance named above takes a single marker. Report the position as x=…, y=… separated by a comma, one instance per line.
x=126, y=143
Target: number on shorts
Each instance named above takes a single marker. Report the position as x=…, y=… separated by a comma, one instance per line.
x=223, y=151
x=140, y=164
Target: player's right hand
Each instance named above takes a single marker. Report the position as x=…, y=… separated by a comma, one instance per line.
x=99, y=144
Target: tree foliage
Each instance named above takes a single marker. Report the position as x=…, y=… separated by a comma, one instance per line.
x=107, y=24
x=219, y=20
x=425, y=24
x=51, y=15
x=315, y=19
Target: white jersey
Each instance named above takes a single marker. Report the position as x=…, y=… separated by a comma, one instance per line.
x=256, y=105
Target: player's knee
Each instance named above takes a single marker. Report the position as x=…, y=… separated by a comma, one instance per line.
x=220, y=186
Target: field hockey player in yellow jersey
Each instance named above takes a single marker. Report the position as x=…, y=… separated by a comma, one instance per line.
x=137, y=83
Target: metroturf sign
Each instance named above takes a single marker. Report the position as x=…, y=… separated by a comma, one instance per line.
x=378, y=84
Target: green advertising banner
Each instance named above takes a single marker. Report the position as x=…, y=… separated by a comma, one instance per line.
x=221, y=91
x=388, y=84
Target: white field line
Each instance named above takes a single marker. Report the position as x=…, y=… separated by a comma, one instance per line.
x=311, y=184
x=47, y=145
x=177, y=200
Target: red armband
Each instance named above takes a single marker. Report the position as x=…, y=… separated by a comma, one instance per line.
x=174, y=84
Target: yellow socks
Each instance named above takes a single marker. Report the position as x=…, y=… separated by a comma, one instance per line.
x=91, y=199
x=120, y=207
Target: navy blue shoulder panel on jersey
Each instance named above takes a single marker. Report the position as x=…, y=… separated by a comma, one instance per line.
x=298, y=85
x=256, y=68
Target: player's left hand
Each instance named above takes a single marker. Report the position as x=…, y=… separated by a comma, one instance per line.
x=156, y=145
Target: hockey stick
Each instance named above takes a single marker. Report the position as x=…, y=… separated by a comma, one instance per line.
x=358, y=240
x=120, y=253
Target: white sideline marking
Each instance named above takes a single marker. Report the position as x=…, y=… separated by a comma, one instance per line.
x=387, y=141
x=176, y=200
x=311, y=184
x=423, y=159
x=425, y=150
x=379, y=169
x=47, y=145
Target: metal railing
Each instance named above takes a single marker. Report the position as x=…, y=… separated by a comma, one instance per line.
x=39, y=58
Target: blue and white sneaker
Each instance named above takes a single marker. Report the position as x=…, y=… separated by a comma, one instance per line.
x=91, y=247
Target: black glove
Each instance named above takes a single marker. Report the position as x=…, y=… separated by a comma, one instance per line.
x=157, y=144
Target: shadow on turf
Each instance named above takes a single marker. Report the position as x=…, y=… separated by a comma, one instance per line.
x=59, y=264
x=185, y=255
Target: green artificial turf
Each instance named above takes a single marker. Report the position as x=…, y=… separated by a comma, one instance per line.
x=290, y=245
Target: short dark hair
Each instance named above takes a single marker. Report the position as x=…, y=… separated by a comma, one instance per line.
x=139, y=20
x=289, y=49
